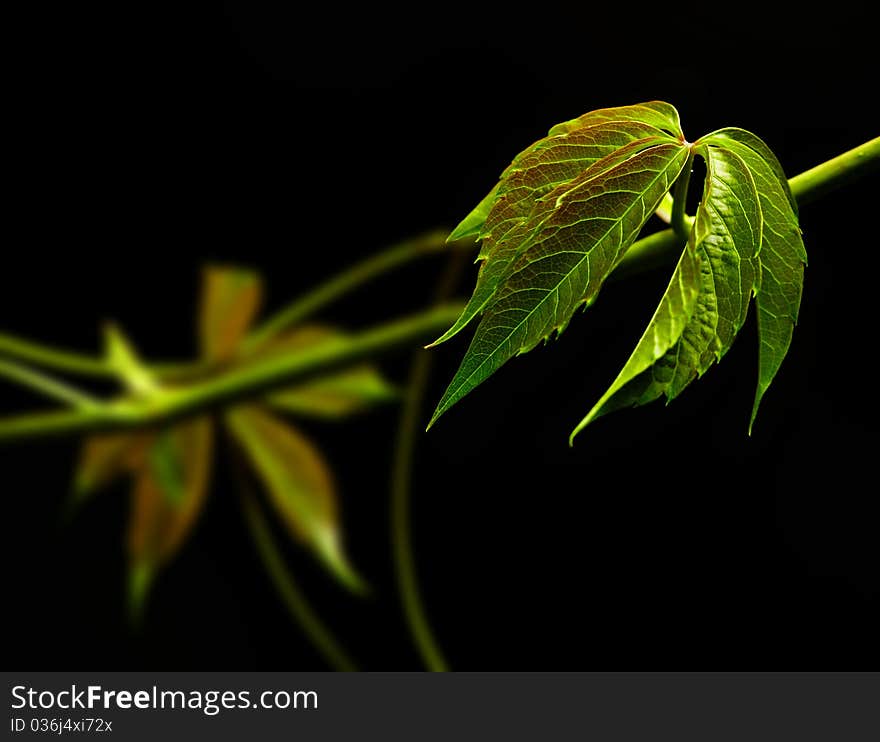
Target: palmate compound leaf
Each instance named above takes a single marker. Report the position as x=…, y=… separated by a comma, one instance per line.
x=571, y=240
x=296, y=478
x=745, y=241
x=169, y=469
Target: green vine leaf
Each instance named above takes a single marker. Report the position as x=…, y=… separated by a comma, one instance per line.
x=663, y=333
x=338, y=395
x=499, y=220
x=726, y=238
x=549, y=244
x=299, y=485
x=334, y=396
x=783, y=255
x=564, y=213
x=567, y=150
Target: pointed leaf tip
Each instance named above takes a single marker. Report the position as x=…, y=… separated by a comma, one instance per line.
x=141, y=575
x=663, y=331
x=471, y=225
x=434, y=418
x=299, y=485
x=759, y=396
x=160, y=520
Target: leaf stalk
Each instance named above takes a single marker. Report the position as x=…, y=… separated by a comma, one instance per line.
x=679, y=219
x=46, y=385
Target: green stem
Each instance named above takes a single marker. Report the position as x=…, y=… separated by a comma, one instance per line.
x=60, y=360
x=261, y=375
x=79, y=364
x=664, y=210
x=265, y=374
x=62, y=422
x=653, y=251
x=46, y=385
x=836, y=172
x=357, y=275
x=289, y=591
x=408, y=433
x=401, y=477
x=678, y=218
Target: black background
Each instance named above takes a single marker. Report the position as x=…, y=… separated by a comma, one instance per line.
x=298, y=140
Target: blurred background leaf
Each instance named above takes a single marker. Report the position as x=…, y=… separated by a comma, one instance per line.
x=231, y=298
x=168, y=495
x=171, y=468
x=335, y=395
x=299, y=485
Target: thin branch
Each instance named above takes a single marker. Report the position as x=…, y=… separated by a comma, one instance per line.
x=679, y=219
x=836, y=172
x=648, y=253
x=80, y=364
x=55, y=358
x=404, y=563
x=664, y=210
x=46, y=385
x=408, y=433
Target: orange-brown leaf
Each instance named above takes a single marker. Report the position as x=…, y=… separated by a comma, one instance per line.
x=231, y=299
x=161, y=521
x=106, y=457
